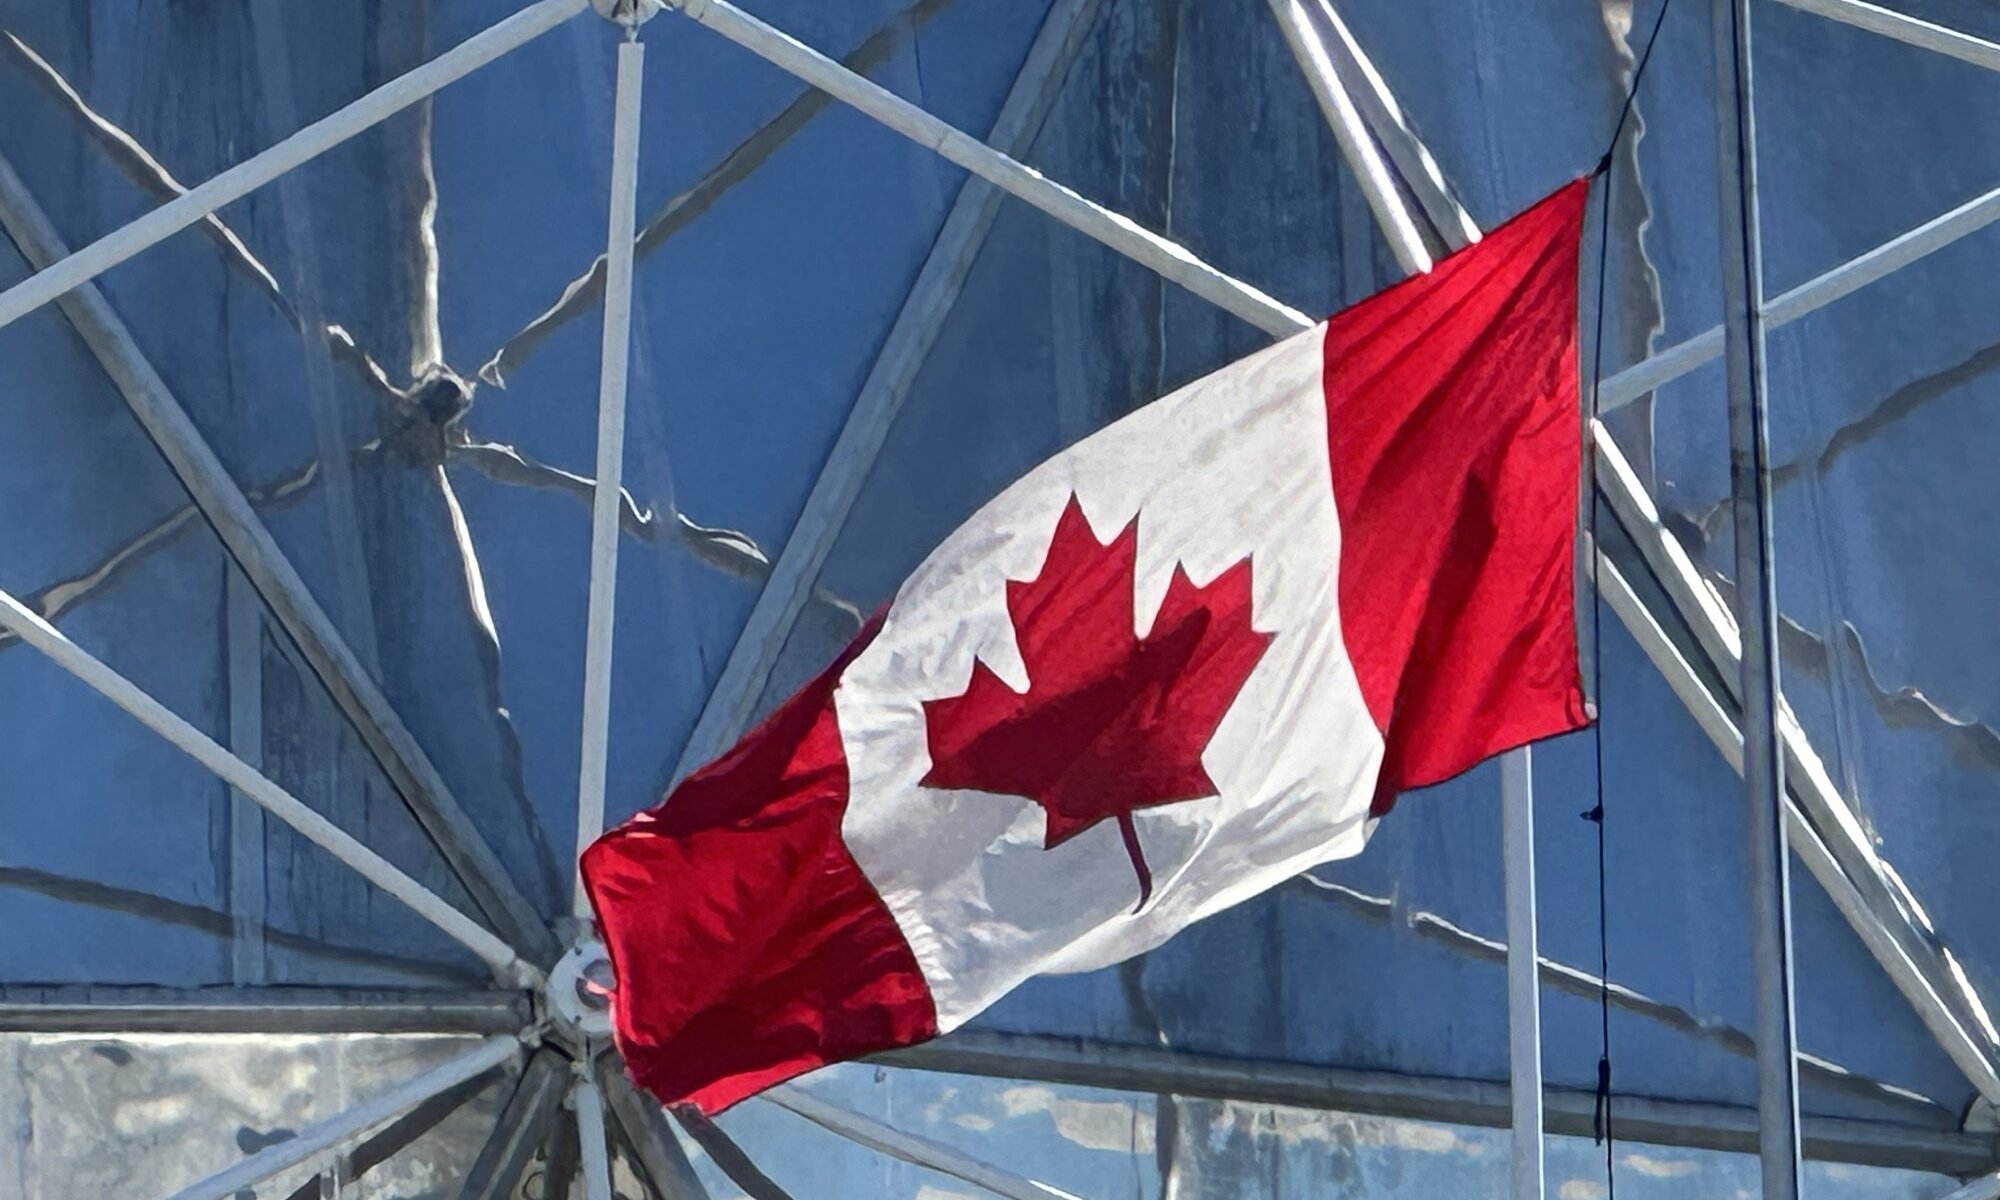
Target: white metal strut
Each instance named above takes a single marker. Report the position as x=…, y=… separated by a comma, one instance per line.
x=606, y=500
x=321, y=1136
x=34, y=631
x=302, y=147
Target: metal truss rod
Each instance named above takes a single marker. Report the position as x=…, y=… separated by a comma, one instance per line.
x=1524, y=981
x=1142, y=245
x=1811, y=296
x=1278, y=320
x=520, y=1129
x=915, y=331
x=588, y=1103
x=728, y=1157
x=1805, y=836
x=1986, y=1187
x=279, y=584
x=1378, y=106
x=1907, y=29
x=371, y=1152
x=909, y=1147
x=321, y=1136
x=648, y=1135
x=244, y=778
x=272, y=1010
x=1152, y=1069
x=1357, y=145
x=301, y=147
x=606, y=500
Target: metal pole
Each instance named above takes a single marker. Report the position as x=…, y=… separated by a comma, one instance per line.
x=197, y=745
x=302, y=147
x=1756, y=603
x=589, y=1106
x=921, y=1151
x=1517, y=795
x=605, y=502
x=1524, y=987
x=1142, y=245
x=1357, y=146
x=321, y=1136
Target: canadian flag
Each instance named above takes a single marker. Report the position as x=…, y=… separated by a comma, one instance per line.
x=1187, y=658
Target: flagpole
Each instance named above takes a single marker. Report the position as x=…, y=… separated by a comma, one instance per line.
x=1524, y=985
x=1756, y=603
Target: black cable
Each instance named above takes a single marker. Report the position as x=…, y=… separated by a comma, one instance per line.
x=1600, y=1121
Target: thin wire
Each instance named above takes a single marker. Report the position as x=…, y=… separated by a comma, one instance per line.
x=1601, y=1121
x=1631, y=95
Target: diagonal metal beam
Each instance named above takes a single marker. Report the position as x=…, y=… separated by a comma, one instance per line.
x=342, y=1127
x=519, y=1131
x=283, y=590
x=139, y=165
x=394, y=1138
x=1476, y=1102
x=315, y=139
x=729, y=1157
x=915, y=331
x=1833, y=844
x=1357, y=144
x=1170, y=261
x=1816, y=293
x=600, y=618
x=1986, y=1187
x=884, y=1138
x=266, y=1010
x=507, y=966
x=648, y=1135
x=1904, y=28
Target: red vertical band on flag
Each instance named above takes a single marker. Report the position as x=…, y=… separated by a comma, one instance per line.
x=1453, y=431
x=748, y=945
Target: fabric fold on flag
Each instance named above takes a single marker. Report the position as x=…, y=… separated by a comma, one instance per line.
x=1192, y=655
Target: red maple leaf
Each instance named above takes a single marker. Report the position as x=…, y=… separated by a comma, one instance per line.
x=1110, y=722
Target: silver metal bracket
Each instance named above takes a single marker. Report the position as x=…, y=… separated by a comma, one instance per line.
x=578, y=997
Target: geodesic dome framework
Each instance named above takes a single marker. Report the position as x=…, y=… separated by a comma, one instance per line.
x=303, y=469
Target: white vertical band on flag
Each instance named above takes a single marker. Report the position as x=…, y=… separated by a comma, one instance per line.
x=1231, y=467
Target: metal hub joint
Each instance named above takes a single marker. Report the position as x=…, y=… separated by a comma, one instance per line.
x=577, y=997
